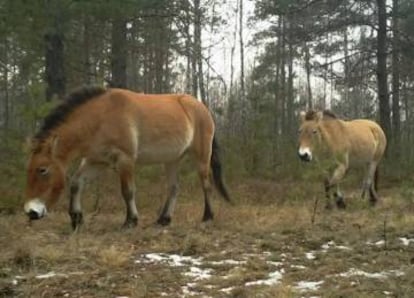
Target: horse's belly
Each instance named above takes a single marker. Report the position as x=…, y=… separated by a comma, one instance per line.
x=162, y=152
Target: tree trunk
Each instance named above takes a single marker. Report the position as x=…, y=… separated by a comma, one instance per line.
x=54, y=54
x=197, y=37
x=87, y=70
x=384, y=107
x=290, y=99
x=241, y=40
x=396, y=76
x=119, y=53
x=308, y=75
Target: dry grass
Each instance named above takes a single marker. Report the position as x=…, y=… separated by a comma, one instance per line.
x=268, y=230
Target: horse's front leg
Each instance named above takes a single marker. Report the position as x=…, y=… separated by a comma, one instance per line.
x=127, y=177
x=76, y=186
x=336, y=177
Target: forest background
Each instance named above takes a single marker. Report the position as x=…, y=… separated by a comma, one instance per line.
x=353, y=57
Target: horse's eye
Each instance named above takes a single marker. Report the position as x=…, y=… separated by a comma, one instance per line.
x=314, y=131
x=44, y=171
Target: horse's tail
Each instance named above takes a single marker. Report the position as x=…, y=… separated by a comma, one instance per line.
x=217, y=171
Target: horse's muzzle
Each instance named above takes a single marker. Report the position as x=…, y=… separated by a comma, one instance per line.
x=33, y=215
x=35, y=209
x=305, y=154
x=305, y=157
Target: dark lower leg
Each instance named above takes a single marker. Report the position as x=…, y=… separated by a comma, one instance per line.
x=339, y=199
x=328, y=204
x=127, y=188
x=172, y=177
x=373, y=196
x=165, y=216
x=208, y=213
x=75, y=211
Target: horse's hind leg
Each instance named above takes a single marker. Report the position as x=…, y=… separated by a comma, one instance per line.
x=203, y=156
x=206, y=185
x=126, y=174
x=372, y=170
x=172, y=178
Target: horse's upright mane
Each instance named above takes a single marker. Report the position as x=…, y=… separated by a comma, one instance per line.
x=75, y=99
x=327, y=114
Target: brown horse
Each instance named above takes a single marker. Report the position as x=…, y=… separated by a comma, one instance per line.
x=120, y=129
x=342, y=144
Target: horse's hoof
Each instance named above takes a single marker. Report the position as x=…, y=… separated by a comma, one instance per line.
x=130, y=223
x=164, y=220
x=76, y=220
x=208, y=217
x=340, y=203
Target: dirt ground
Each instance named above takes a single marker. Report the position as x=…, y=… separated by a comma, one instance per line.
x=264, y=246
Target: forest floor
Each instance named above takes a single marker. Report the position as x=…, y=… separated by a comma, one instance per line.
x=263, y=246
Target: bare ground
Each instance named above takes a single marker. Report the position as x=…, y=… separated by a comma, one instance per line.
x=263, y=246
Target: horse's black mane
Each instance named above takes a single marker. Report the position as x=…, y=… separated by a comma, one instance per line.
x=327, y=114
x=70, y=103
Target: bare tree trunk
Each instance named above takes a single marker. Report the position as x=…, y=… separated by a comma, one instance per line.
x=290, y=99
x=87, y=71
x=119, y=53
x=54, y=53
x=188, y=52
x=233, y=49
x=384, y=107
x=396, y=76
x=241, y=40
x=282, y=99
x=6, y=86
x=197, y=36
x=308, y=75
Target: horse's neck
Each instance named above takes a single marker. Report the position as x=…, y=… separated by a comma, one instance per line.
x=74, y=140
x=334, y=133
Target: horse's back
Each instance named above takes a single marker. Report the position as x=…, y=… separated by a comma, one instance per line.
x=164, y=125
x=367, y=139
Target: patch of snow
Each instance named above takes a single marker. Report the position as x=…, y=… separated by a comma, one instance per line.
x=273, y=279
x=378, y=243
x=227, y=290
x=310, y=255
x=379, y=275
x=298, y=266
x=406, y=241
x=227, y=262
x=50, y=274
x=171, y=259
x=188, y=292
x=198, y=273
x=273, y=263
x=328, y=245
x=332, y=244
x=304, y=286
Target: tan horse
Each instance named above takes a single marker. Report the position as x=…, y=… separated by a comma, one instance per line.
x=343, y=144
x=120, y=129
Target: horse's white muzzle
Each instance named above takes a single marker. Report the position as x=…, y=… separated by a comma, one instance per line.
x=305, y=154
x=35, y=209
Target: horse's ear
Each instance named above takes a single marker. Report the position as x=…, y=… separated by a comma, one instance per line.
x=319, y=116
x=302, y=116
